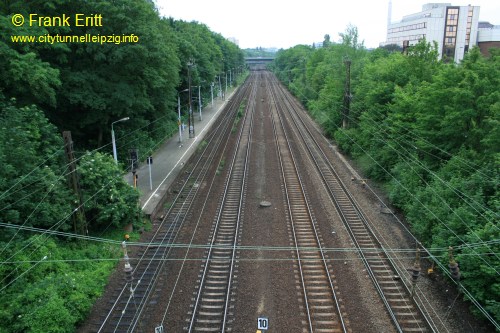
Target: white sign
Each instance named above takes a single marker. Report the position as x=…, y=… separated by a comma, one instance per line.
x=262, y=323
x=159, y=329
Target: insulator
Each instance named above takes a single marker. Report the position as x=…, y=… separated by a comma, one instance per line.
x=128, y=272
x=455, y=271
x=415, y=272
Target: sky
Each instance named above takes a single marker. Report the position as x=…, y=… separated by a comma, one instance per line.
x=284, y=24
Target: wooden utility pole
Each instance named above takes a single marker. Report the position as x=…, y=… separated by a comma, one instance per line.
x=79, y=221
x=347, y=94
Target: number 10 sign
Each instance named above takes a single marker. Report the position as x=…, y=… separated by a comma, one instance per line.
x=262, y=323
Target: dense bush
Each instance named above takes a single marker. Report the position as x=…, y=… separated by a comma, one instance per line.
x=56, y=292
x=427, y=130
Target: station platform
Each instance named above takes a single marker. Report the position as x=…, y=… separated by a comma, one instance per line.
x=169, y=158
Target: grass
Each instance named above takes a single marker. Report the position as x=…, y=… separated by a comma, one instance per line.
x=239, y=115
x=220, y=167
x=202, y=145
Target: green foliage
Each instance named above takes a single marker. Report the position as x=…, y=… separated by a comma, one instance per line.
x=23, y=74
x=109, y=200
x=54, y=294
x=42, y=290
x=84, y=87
x=428, y=130
x=31, y=156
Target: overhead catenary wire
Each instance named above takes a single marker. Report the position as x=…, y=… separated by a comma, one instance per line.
x=447, y=184
x=4, y=193
x=22, y=274
x=79, y=166
x=463, y=245
x=257, y=248
x=417, y=200
x=368, y=223
x=8, y=191
x=469, y=164
x=386, y=143
x=425, y=182
x=258, y=258
x=387, y=173
x=56, y=225
x=374, y=159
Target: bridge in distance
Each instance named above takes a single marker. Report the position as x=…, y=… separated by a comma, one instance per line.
x=258, y=63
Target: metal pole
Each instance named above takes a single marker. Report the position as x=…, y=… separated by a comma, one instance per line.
x=415, y=272
x=199, y=99
x=150, y=179
x=179, y=116
x=114, y=144
x=212, y=93
x=190, y=120
x=220, y=88
x=225, y=91
x=115, y=156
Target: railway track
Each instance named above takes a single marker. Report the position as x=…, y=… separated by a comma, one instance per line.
x=322, y=307
x=210, y=309
x=128, y=304
x=131, y=308
x=391, y=283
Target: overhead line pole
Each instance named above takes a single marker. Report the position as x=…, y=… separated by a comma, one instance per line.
x=79, y=221
x=190, y=118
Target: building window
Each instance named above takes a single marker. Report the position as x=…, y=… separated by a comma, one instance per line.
x=416, y=26
x=450, y=31
x=469, y=28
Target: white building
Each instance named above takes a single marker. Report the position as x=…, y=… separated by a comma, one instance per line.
x=488, y=37
x=454, y=28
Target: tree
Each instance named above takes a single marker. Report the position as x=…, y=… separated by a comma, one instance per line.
x=326, y=41
x=109, y=200
x=429, y=131
x=33, y=185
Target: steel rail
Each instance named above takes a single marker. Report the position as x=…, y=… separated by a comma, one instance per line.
x=309, y=212
x=232, y=180
x=321, y=155
x=203, y=163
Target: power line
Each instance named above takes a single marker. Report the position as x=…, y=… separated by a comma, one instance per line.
x=29, y=173
x=350, y=138
x=418, y=200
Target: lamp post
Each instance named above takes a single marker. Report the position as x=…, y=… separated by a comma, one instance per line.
x=220, y=88
x=212, y=92
x=225, y=91
x=113, y=137
x=198, y=98
x=179, y=113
